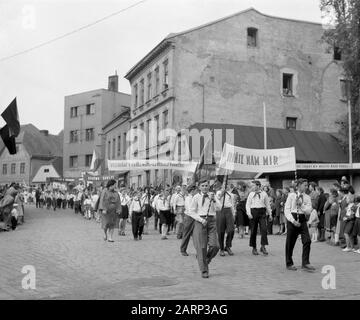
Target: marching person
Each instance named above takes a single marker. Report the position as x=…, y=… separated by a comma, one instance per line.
x=225, y=214
x=188, y=221
x=146, y=203
x=257, y=208
x=156, y=212
x=203, y=211
x=179, y=209
x=124, y=215
x=163, y=206
x=296, y=207
x=137, y=216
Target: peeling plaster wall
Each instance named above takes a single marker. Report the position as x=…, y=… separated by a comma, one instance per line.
x=237, y=78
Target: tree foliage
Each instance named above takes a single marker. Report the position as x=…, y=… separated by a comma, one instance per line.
x=345, y=35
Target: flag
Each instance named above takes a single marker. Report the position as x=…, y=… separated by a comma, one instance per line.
x=9, y=140
x=11, y=116
x=206, y=164
x=95, y=162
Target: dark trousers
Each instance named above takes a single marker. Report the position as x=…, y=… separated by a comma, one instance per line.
x=205, y=242
x=269, y=225
x=225, y=223
x=37, y=202
x=291, y=237
x=137, y=222
x=156, y=219
x=188, y=230
x=259, y=218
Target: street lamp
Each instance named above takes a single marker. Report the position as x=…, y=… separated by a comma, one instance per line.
x=196, y=83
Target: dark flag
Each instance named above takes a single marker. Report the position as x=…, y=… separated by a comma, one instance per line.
x=11, y=116
x=9, y=140
x=205, y=167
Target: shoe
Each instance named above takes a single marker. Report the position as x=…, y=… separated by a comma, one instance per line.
x=228, y=250
x=308, y=267
x=246, y=233
x=185, y=254
x=347, y=249
x=263, y=250
x=255, y=252
x=357, y=251
x=110, y=240
x=205, y=274
x=291, y=268
x=140, y=237
x=136, y=239
x=343, y=246
x=222, y=253
x=163, y=238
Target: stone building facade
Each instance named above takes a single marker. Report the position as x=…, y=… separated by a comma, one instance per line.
x=226, y=70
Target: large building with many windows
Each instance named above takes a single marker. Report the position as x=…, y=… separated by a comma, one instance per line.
x=226, y=70
x=85, y=114
x=34, y=148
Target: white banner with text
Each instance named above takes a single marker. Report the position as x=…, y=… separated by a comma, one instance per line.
x=257, y=160
x=125, y=165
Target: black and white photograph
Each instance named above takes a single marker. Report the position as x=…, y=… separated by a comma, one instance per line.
x=197, y=152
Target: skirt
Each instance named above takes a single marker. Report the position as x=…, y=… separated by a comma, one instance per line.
x=124, y=212
x=356, y=228
x=348, y=227
x=147, y=211
x=165, y=217
x=241, y=218
x=110, y=219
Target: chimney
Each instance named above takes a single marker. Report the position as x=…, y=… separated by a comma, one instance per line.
x=45, y=132
x=113, y=83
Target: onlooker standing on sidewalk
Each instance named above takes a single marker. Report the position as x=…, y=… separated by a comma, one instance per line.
x=137, y=216
x=321, y=214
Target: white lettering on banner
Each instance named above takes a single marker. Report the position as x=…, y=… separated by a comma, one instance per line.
x=121, y=165
x=257, y=160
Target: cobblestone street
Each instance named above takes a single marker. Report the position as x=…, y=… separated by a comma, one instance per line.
x=73, y=262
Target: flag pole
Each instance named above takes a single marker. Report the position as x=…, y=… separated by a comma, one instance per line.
x=265, y=133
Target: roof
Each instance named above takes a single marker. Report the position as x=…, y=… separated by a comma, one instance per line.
x=310, y=146
x=38, y=144
x=41, y=175
x=169, y=38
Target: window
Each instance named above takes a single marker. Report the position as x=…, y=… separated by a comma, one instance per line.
x=90, y=109
x=251, y=37
x=344, y=89
x=113, y=148
x=165, y=119
x=287, y=84
x=291, y=123
x=141, y=92
x=22, y=168
x=88, y=159
x=46, y=170
x=109, y=149
x=73, y=112
x=73, y=161
x=149, y=93
x=157, y=128
x=141, y=127
x=89, y=133
x=136, y=96
x=337, y=53
x=4, y=169
x=13, y=168
x=124, y=148
x=74, y=136
x=166, y=75
x=119, y=146
x=157, y=80
x=147, y=133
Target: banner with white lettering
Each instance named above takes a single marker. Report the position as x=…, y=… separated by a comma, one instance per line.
x=257, y=160
x=125, y=165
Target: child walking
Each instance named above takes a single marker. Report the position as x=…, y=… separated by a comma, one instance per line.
x=313, y=223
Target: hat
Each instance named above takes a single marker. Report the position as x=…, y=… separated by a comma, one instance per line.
x=343, y=178
x=110, y=183
x=301, y=181
x=256, y=182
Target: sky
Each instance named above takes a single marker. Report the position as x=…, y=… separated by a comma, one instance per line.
x=82, y=61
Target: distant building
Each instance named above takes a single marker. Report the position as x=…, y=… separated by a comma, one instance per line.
x=116, y=145
x=51, y=170
x=35, y=148
x=223, y=72
x=86, y=114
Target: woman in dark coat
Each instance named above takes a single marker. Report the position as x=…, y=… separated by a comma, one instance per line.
x=242, y=219
x=111, y=209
